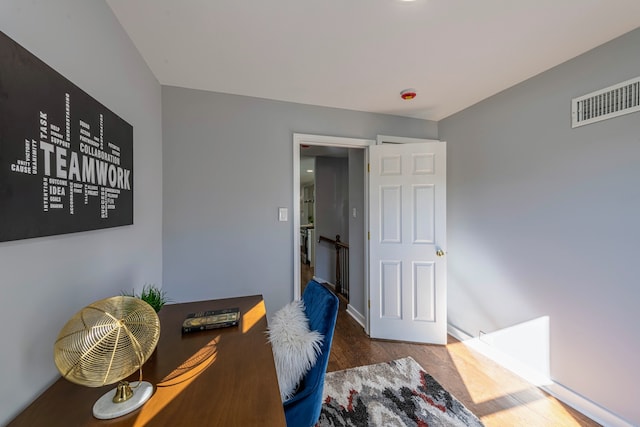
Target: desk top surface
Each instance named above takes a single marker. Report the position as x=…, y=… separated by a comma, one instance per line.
x=221, y=377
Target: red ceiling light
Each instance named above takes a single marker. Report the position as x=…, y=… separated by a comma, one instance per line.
x=408, y=94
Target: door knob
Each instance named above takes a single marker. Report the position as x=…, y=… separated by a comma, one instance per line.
x=439, y=252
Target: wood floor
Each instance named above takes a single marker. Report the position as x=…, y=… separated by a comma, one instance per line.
x=497, y=396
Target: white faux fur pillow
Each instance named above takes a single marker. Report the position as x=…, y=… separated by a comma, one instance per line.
x=295, y=347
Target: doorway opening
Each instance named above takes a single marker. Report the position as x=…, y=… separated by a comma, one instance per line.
x=345, y=213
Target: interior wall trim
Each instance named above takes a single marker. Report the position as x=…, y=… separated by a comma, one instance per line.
x=356, y=315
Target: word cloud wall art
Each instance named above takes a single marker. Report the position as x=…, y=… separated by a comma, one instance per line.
x=66, y=161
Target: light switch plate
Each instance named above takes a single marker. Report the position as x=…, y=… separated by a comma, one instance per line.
x=283, y=214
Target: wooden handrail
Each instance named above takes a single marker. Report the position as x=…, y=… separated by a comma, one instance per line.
x=334, y=242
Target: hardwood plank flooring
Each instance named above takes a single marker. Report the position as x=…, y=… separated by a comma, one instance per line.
x=497, y=396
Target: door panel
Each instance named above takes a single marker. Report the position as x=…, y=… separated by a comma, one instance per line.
x=391, y=290
x=407, y=225
x=390, y=213
x=424, y=214
x=424, y=290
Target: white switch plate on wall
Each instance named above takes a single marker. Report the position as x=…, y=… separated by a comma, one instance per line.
x=283, y=214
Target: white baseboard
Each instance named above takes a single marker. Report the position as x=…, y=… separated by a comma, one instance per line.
x=357, y=316
x=324, y=282
x=578, y=402
x=458, y=334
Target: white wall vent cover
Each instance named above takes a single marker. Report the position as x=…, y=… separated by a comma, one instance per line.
x=613, y=101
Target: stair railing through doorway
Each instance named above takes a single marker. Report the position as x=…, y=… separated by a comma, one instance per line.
x=342, y=264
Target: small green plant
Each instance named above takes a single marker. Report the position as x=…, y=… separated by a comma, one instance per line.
x=152, y=295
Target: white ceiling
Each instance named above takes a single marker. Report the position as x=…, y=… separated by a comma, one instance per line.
x=359, y=54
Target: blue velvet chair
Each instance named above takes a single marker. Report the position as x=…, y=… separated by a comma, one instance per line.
x=321, y=306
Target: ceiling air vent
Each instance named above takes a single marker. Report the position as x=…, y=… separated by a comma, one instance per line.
x=613, y=101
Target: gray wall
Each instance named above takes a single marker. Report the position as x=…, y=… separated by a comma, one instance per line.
x=332, y=203
x=47, y=280
x=228, y=166
x=543, y=221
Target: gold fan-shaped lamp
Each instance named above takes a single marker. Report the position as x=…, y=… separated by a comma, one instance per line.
x=106, y=342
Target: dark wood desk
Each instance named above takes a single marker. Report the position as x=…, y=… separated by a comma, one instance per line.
x=223, y=377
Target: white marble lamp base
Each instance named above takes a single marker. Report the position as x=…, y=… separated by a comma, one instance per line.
x=105, y=409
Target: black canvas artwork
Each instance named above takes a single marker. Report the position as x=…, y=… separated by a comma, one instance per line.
x=66, y=161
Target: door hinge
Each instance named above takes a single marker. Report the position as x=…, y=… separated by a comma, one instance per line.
x=368, y=167
x=369, y=304
x=368, y=235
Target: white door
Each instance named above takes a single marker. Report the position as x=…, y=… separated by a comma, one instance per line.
x=408, y=270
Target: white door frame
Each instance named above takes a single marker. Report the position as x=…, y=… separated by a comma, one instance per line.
x=382, y=139
x=330, y=141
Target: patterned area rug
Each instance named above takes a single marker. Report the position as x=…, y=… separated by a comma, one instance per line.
x=397, y=393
